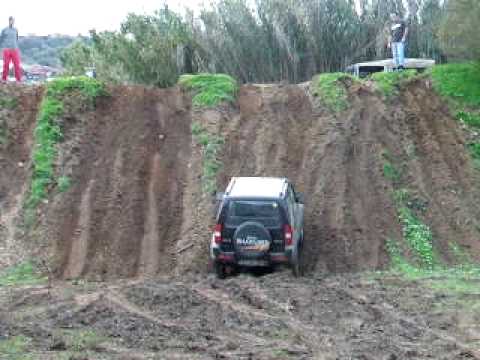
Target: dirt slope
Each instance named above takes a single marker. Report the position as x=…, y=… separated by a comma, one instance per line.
x=18, y=111
x=136, y=206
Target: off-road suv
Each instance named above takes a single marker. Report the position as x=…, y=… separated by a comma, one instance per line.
x=259, y=224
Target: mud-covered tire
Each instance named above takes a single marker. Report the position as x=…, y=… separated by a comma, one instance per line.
x=296, y=260
x=220, y=270
x=295, y=265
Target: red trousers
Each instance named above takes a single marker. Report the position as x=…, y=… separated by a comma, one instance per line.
x=14, y=56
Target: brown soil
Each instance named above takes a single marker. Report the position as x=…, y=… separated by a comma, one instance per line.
x=136, y=205
x=123, y=214
x=18, y=113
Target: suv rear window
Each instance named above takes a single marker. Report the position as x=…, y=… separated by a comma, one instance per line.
x=254, y=210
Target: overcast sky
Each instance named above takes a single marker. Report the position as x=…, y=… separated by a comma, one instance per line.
x=77, y=16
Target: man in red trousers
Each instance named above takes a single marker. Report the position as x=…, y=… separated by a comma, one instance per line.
x=11, y=52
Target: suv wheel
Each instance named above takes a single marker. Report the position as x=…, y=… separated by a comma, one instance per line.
x=296, y=261
x=295, y=265
x=220, y=270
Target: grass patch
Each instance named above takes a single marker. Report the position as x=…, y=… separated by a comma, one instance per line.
x=89, y=88
x=210, y=89
x=8, y=103
x=475, y=153
x=64, y=183
x=469, y=118
x=390, y=172
x=331, y=90
x=417, y=236
x=458, y=82
x=460, y=85
x=22, y=274
x=3, y=132
x=48, y=132
x=15, y=348
x=389, y=82
x=211, y=146
x=82, y=340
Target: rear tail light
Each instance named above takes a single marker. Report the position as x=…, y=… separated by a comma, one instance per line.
x=217, y=234
x=288, y=233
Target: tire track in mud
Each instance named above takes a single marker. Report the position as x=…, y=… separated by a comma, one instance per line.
x=77, y=256
x=136, y=146
x=149, y=254
x=244, y=317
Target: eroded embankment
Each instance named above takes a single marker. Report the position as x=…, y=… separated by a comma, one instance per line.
x=18, y=111
x=136, y=204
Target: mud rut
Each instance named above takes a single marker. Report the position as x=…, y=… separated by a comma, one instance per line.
x=245, y=317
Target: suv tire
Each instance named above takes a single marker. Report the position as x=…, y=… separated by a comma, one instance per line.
x=220, y=270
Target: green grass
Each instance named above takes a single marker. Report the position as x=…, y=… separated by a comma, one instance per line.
x=15, y=348
x=331, y=90
x=90, y=88
x=389, y=82
x=475, y=153
x=21, y=274
x=8, y=103
x=390, y=172
x=81, y=340
x=210, y=89
x=469, y=118
x=3, y=132
x=211, y=146
x=64, y=183
x=417, y=236
x=459, y=82
x=48, y=132
x=460, y=85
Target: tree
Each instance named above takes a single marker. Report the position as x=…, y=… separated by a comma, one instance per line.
x=77, y=58
x=459, y=33
x=148, y=49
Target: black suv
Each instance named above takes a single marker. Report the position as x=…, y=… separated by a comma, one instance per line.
x=259, y=224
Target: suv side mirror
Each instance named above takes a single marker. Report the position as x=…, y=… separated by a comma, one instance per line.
x=220, y=196
x=300, y=198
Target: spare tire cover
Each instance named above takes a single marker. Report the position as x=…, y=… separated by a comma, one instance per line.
x=252, y=237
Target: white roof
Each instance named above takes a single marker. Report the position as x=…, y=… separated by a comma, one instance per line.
x=256, y=187
x=409, y=63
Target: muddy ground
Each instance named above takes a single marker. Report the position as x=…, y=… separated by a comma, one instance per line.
x=245, y=317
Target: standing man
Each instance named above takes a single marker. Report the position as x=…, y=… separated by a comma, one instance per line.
x=397, y=39
x=11, y=52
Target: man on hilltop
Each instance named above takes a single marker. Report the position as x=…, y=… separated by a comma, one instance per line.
x=397, y=39
x=11, y=52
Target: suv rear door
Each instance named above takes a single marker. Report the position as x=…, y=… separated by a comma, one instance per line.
x=267, y=212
